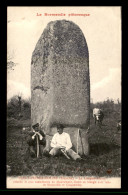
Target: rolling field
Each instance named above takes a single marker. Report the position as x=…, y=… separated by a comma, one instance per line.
x=104, y=158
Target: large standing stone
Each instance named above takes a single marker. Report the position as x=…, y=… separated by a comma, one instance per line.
x=60, y=84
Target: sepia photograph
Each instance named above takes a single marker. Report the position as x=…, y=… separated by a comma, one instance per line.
x=64, y=119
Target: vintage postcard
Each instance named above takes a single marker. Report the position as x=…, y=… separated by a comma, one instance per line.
x=63, y=97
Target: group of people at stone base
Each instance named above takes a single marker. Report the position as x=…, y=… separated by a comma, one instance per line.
x=60, y=143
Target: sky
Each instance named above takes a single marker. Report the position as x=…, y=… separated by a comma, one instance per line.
x=102, y=31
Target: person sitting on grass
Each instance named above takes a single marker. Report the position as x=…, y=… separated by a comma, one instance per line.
x=61, y=143
x=32, y=141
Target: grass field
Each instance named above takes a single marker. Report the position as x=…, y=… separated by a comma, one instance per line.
x=104, y=158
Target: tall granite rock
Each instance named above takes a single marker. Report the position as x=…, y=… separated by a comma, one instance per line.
x=60, y=83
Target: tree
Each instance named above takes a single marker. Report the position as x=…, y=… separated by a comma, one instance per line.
x=12, y=107
x=10, y=61
x=19, y=102
x=18, y=108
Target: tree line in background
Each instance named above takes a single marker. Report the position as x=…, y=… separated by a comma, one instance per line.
x=109, y=107
x=19, y=108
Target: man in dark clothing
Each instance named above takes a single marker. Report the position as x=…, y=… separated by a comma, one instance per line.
x=36, y=136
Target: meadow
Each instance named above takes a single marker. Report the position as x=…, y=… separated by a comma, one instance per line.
x=104, y=157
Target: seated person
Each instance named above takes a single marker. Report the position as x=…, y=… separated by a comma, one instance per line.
x=61, y=142
x=32, y=142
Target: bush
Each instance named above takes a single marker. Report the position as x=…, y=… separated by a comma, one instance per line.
x=18, y=110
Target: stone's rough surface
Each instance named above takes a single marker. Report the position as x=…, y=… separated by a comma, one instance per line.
x=60, y=83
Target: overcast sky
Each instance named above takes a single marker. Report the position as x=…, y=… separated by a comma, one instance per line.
x=102, y=30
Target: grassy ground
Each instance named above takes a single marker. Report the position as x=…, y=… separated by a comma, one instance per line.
x=104, y=158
